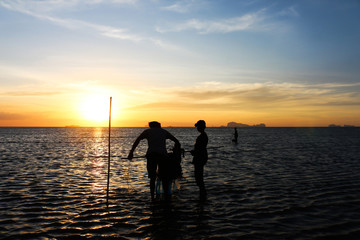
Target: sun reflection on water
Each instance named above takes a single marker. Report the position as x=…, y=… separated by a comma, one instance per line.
x=98, y=164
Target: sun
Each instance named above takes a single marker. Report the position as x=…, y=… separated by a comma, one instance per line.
x=95, y=108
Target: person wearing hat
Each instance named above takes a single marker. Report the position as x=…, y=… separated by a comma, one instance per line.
x=200, y=157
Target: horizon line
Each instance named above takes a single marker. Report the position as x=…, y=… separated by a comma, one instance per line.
x=75, y=126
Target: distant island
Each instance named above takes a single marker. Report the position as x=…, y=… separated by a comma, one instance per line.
x=334, y=125
x=235, y=124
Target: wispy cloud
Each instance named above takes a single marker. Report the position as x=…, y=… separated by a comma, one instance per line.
x=259, y=96
x=5, y=116
x=55, y=5
x=176, y=7
x=40, y=10
x=249, y=22
x=29, y=93
x=36, y=9
x=184, y=6
x=290, y=11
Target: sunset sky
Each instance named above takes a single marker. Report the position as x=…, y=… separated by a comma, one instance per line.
x=282, y=63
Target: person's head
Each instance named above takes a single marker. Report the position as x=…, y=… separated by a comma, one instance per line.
x=200, y=125
x=154, y=124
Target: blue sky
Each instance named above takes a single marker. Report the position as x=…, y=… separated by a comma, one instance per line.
x=278, y=62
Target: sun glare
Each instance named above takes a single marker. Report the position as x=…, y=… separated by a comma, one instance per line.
x=95, y=108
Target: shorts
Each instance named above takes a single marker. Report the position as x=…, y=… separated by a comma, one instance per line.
x=153, y=161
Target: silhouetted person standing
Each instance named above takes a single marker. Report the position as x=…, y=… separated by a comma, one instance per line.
x=200, y=157
x=235, y=136
x=156, y=153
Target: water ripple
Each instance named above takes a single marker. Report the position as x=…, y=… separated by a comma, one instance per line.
x=276, y=183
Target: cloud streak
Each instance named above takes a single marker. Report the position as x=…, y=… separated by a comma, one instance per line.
x=5, y=116
x=56, y=5
x=183, y=6
x=258, y=97
x=42, y=12
x=73, y=24
x=29, y=94
x=256, y=21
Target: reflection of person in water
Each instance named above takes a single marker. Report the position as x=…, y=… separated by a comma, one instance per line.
x=200, y=157
x=235, y=135
x=156, y=153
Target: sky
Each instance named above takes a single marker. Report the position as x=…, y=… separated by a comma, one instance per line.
x=281, y=62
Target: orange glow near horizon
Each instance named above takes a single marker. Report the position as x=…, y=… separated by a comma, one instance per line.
x=141, y=120
x=89, y=114
x=133, y=109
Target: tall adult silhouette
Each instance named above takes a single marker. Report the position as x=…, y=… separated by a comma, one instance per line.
x=200, y=157
x=156, y=152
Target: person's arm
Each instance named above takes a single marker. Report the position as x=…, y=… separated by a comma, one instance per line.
x=174, y=139
x=136, y=143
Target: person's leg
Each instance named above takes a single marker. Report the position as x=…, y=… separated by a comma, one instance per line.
x=199, y=171
x=152, y=187
x=164, y=171
x=151, y=168
x=165, y=184
x=199, y=177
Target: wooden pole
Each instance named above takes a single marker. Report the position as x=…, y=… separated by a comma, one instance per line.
x=109, y=154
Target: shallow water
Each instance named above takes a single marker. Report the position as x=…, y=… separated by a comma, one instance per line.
x=275, y=183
